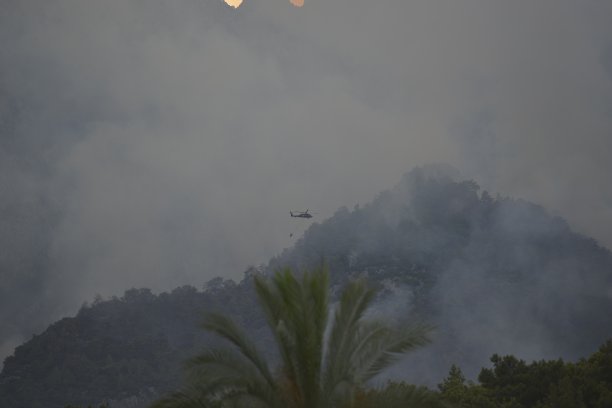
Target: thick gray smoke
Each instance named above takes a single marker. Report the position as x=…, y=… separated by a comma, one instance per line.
x=493, y=275
x=156, y=143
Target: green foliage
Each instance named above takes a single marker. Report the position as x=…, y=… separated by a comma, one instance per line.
x=516, y=383
x=455, y=390
x=512, y=383
x=587, y=383
x=314, y=371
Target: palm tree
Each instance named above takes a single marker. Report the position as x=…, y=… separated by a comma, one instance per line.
x=321, y=365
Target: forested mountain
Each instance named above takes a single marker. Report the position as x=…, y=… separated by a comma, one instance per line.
x=125, y=350
x=493, y=274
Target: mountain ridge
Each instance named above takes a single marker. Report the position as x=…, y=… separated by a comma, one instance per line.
x=495, y=275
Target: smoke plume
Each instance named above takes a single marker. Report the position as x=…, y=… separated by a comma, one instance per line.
x=155, y=143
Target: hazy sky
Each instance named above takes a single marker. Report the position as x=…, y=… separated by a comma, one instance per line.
x=156, y=143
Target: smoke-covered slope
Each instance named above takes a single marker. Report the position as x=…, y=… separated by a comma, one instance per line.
x=494, y=275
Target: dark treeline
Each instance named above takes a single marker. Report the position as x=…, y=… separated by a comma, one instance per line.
x=509, y=383
x=513, y=383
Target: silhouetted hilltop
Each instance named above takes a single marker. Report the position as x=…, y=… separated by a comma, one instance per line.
x=123, y=349
x=493, y=274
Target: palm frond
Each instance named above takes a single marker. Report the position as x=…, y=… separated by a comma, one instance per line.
x=310, y=336
x=313, y=373
x=275, y=313
x=225, y=328
x=223, y=372
x=353, y=303
x=380, y=351
x=297, y=314
x=219, y=362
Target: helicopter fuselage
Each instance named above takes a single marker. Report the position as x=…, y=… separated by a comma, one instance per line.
x=304, y=214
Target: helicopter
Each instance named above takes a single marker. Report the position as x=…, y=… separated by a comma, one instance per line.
x=298, y=214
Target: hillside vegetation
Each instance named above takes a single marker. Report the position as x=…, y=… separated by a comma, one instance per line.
x=492, y=274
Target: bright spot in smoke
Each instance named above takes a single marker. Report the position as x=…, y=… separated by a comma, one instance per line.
x=297, y=3
x=233, y=3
